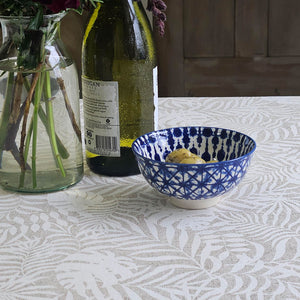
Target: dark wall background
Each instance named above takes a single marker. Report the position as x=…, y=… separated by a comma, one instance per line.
x=230, y=48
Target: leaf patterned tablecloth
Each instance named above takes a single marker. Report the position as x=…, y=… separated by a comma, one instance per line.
x=116, y=238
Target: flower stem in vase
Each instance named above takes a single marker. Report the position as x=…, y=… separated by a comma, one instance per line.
x=6, y=112
x=26, y=150
x=16, y=104
x=61, y=148
x=51, y=126
x=27, y=106
x=37, y=99
x=11, y=124
x=27, y=140
x=62, y=87
x=16, y=115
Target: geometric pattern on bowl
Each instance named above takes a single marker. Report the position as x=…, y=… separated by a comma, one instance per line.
x=232, y=149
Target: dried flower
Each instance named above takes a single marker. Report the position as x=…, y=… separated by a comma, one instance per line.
x=158, y=8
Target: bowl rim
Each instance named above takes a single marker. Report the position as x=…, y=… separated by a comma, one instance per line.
x=204, y=164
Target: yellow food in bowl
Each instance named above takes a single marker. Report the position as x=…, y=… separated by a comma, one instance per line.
x=193, y=160
x=184, y=156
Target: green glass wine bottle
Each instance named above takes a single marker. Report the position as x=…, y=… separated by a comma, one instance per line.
x=119, y=85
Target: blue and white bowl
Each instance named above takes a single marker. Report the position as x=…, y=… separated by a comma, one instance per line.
x=194, y=186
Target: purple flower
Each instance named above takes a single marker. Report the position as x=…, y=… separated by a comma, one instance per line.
x=158, y=7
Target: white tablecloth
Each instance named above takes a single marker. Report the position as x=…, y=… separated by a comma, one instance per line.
x=116, y=238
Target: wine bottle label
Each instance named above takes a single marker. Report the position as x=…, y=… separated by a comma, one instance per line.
x=101, y=117
x=155, y=98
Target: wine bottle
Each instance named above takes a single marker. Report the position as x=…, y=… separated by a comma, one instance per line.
x=119, y=85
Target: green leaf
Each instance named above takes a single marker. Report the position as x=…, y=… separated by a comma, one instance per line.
x=37, y=21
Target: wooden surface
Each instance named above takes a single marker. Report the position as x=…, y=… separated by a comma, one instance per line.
x=284, y=28
x=208, y=28
x=251, y=29
x=230, y=48
x=260, y=76
x=170, y=53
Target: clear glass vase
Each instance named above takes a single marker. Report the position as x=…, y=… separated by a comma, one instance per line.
x=40, y=136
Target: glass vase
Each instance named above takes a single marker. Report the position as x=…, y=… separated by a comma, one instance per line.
x=40, y=136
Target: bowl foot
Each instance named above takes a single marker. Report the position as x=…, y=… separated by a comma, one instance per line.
x=195, y=204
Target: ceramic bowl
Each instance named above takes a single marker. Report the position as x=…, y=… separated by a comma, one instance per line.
x=194, y=186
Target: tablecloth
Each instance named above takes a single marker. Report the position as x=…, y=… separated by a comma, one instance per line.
x=117, y=238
